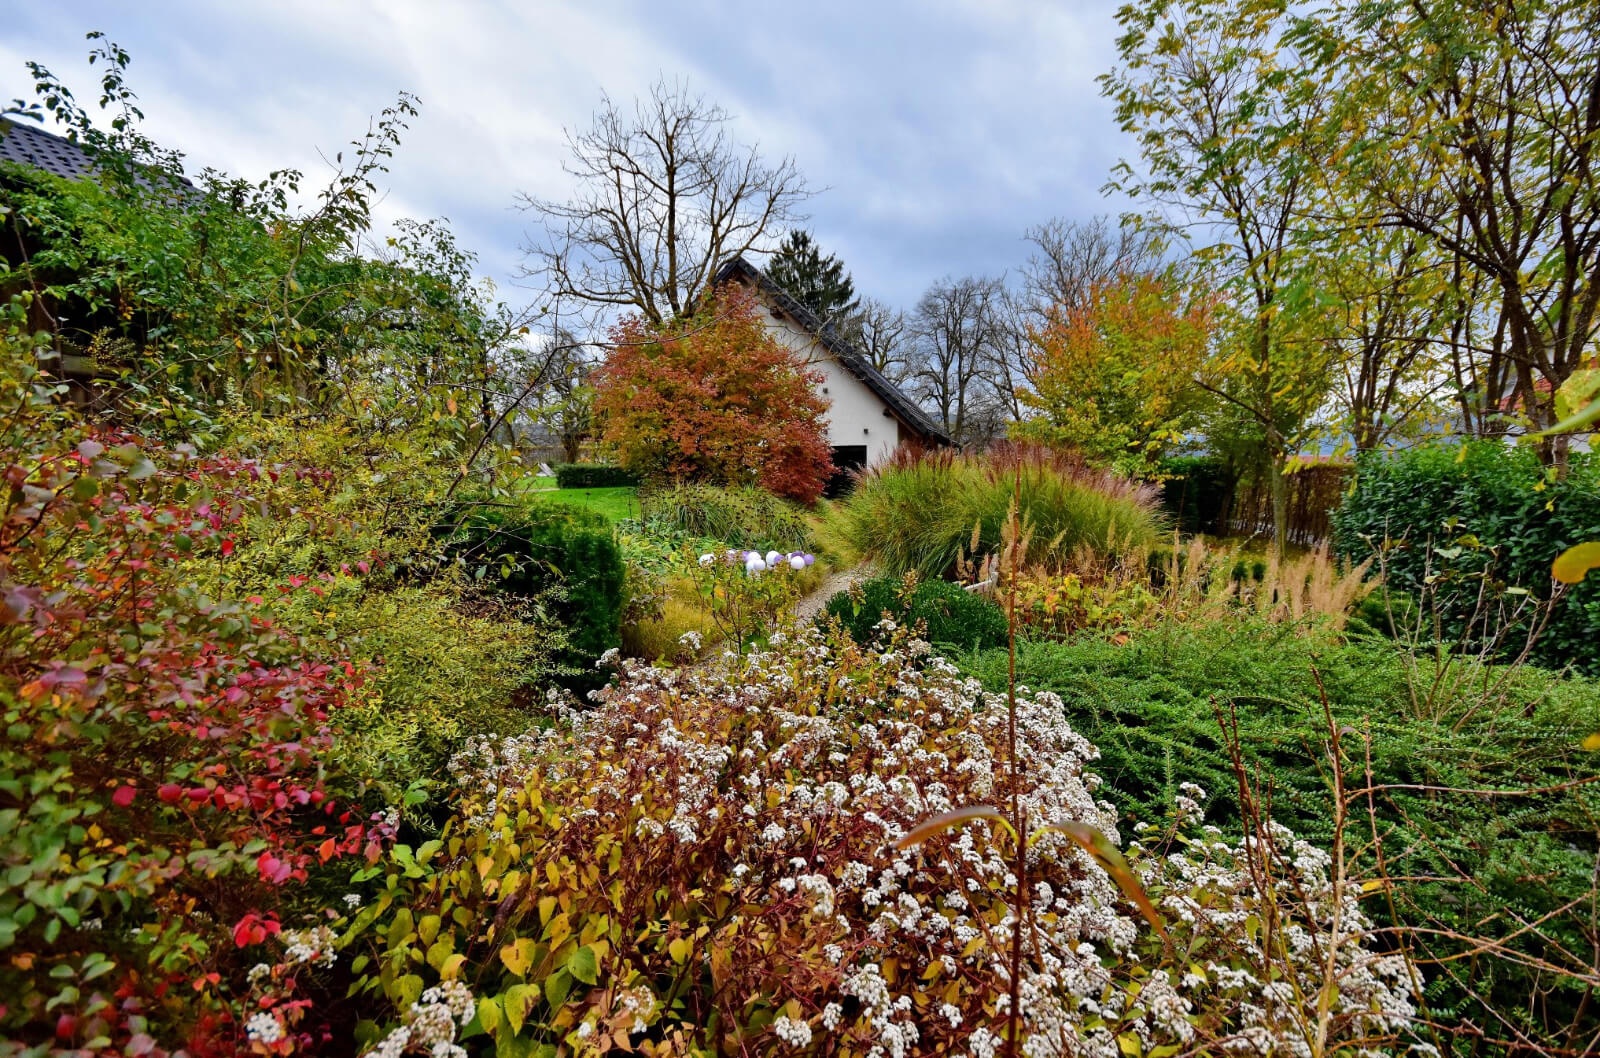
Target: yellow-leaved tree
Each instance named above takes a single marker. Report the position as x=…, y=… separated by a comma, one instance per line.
x=1113, y=373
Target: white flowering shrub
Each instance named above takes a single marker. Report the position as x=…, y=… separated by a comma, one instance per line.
x=705, y=862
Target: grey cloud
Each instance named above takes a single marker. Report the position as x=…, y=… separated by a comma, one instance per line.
x=940, y=130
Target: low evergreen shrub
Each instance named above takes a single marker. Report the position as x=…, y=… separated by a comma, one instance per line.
x=593, y=476
x=950, y=614
x=1475, y=863
x=562, y=560
x=1444, y=518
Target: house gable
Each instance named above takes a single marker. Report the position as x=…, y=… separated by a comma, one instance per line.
x=866, y=410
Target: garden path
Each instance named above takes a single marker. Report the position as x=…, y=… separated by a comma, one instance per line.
x=810, y=606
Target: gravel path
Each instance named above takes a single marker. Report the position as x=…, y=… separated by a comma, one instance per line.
x=810, y=606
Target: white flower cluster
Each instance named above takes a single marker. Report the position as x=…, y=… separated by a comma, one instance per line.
x=789, y=778
x=431, y=1024
x=794, y=1033
x=264, y=1027
x=315, y=946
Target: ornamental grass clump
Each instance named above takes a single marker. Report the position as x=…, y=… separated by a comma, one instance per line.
x=926, y=511
x=706, y=861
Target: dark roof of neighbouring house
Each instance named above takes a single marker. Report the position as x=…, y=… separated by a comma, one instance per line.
x=25, y=143
x=903, y=407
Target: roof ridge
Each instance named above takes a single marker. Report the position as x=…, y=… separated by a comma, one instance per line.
x=825, y=333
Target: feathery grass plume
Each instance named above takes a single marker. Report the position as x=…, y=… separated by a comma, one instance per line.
x=922, y=510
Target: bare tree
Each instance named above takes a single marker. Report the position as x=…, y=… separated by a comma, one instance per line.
x=1071, y=257
x=1009, y=362
x=883, y=333
x=665, y=196
x=958, y=326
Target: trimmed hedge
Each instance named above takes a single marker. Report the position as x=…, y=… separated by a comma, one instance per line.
x=953, y=616
x=528, y=551
x=1196, y=492
x=593, y=476
x=1454, y=512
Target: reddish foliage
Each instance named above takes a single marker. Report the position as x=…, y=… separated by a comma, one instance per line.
x=715, y=398
x=168, y=749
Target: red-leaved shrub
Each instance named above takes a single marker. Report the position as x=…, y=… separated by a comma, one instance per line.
x=714, y=398
x=164, y=797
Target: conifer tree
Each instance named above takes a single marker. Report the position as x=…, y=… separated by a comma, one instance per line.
x=817, y=281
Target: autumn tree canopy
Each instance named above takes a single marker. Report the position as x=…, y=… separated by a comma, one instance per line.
x=716, y=398
x=1112, y=372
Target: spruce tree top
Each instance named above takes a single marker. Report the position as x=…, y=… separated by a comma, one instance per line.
x=818, y=282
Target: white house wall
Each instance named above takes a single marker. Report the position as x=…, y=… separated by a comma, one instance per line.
x=856, y=416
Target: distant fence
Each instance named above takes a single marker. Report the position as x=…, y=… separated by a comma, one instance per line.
x=1206, y=496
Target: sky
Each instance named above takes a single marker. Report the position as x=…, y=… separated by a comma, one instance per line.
x=937, y=131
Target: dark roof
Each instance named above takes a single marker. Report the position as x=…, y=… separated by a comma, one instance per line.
x=25, y=143
x=904, y=408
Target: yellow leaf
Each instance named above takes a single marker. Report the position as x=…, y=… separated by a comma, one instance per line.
x=518, y=1001
x=1592, y=743
x=428, y=928
x=518, y=956
x=679, y=949
x=1577, y=560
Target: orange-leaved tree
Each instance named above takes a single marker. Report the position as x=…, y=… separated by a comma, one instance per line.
x=1112, y=374
x=716, y=398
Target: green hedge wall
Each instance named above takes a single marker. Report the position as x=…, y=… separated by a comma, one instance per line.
x=593, y=476
x=1453, y=512
x=1196, y=492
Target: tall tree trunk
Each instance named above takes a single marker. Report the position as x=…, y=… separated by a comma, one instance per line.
x=1279, y=488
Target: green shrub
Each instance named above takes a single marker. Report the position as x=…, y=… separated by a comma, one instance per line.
x=557, y=558
x=745, y=517
x=918, y=512
x=1478, y=861
x=593, y=476
x=1458, y=514
x=950, y=614
x=446, y=665
x=1196, y=491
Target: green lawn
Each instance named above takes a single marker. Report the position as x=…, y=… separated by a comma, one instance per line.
x=615, y=503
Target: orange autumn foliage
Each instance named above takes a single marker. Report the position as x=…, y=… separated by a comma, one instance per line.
x=1112, y=375
x=714, y=398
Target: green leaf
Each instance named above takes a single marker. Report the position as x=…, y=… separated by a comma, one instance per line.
x=556, y=988
x=584, y=965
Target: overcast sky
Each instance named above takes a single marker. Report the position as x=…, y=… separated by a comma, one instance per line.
x=940, y=130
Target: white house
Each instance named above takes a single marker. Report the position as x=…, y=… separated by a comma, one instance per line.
x=868, y=416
